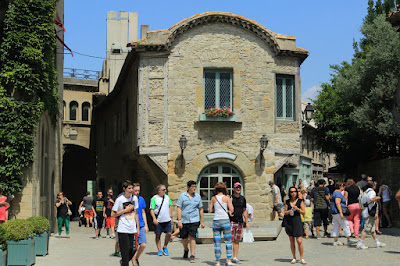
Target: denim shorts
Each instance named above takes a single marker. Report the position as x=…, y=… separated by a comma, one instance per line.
x=162, y=227
x=142, y=236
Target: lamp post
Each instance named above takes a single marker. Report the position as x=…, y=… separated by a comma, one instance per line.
x=263, y=146
x=182, y=145
x=73, y=134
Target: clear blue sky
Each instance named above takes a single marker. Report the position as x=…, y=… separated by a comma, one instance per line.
x=325, y=28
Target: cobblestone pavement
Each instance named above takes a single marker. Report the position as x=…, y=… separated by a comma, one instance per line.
x=83, y=249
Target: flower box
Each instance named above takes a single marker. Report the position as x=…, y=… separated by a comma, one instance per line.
x=21, y=252
x=3, y=257
x=203, y=117
x=42, y=244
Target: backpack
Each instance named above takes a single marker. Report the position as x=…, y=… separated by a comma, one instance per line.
x=360, y=199
x=364, y=203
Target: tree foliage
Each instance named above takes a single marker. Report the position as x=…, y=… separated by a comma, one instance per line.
x=353, y=115
x=27, y=84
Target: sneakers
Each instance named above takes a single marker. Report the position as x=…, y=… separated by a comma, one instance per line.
x=217, y=263
x=362, y=246
x=97, y=238
x=165, y=251
x=192, y=259
x=327, y=235
x=318, y=237
x=185, y=254
x=116, y=254
x=160, y=253
x=107, y=236
x=229, y=263
x=236, y=260
x=337, y=244
x=112, y=236
x=351, y=242
x=380, y=245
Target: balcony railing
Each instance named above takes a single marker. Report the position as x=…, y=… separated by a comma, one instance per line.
x=81, y=74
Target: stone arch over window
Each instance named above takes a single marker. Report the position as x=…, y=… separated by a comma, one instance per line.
x=213, y=173
x=73, y=110
x=85, y=111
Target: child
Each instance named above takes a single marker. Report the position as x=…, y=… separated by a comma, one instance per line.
x=3, y=208
x=308, y=219
x=99, y=209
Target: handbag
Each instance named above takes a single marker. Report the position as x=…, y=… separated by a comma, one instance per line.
x=345, y=211
x=69, y=212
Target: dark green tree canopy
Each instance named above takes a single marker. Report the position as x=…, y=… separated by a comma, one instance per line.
x=354, y=117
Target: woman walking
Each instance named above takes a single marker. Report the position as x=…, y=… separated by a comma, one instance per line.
x=221, y=203
x=384, y=192
x=354, y=207
x=62, y=213
x=339, y=219
x=294, y=227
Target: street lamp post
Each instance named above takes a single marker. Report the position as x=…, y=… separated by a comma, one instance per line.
x=182, y=145
x=263, y=146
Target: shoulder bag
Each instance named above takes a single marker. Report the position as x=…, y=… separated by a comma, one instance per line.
x=159, y=210
x=69, y=212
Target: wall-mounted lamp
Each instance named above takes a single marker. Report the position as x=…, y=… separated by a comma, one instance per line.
x=263, y=146
x=308, y=114
x=182, y=144
x=73, y=134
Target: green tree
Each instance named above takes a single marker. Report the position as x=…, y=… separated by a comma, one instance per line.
x=27, y=83
x=353, y=115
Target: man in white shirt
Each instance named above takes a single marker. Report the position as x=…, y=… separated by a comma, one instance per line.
x=277, y=200
x=161, y=212
x=250, y=212
x=370, y=201
x=125, y=208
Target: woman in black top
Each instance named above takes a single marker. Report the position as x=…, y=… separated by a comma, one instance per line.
x=62, y=213
x=354, y=207
x=293, y=225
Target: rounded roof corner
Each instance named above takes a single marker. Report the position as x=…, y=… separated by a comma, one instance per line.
x=223, y=17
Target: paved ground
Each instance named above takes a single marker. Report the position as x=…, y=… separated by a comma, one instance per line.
x=82, y=249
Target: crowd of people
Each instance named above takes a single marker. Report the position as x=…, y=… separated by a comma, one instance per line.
x=348, y=206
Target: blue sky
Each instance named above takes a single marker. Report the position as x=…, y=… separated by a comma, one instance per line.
x=325, y=28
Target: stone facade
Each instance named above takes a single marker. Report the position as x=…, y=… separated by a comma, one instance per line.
x=168, y=98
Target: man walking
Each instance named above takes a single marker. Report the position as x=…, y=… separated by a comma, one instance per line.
x=161, y=212
x=189, y=211
x=110, y=221
x=370, y=200
x=239, y=206
x=142, y=222
x=320, y=198
x=99, y=209
x=125, y=208
x=276, y=199
x=87, y=203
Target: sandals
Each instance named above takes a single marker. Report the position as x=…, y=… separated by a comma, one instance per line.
x=303, y=262
x=378, y=232
x=293, y=261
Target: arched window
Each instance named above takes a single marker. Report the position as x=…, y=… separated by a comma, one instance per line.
x=73, y=109
x=217, y=173
x=85, y=111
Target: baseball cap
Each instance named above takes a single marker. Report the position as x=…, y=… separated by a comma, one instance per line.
x=237, y=184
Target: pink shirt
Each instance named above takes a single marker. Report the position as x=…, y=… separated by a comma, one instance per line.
x=3, y=209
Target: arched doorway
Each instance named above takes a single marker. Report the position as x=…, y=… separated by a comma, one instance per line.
x=78, y=167
x=219, y=172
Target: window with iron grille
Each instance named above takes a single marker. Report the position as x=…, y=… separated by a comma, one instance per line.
x=285, y=97
x=217, y=88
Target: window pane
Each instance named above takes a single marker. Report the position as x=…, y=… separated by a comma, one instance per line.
x=226, y=170
x=213, y=181
x=209, y=90
x=227, y=180
x=289, y=98
x=279, y=98
x=85, y=111
x=225, y=90
x=214, y=169
x=235, y=179
x=204, y=182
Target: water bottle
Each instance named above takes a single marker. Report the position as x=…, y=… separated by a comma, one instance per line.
x=292, y=213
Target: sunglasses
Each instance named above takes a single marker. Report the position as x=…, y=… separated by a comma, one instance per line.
x=164, y=189
x=292, y=191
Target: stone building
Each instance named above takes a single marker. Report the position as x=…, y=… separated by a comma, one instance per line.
x=42, y=179
x=168, y=80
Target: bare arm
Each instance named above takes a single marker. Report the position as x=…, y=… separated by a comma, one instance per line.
x=302, y=209
x=146, y=227
x=338, y=206
x=211, y=207
x=94, y=211
x=246, y=218
x=179, y=214
x=170, y=211
x=153, y=215
x=119, y=213
x=230, y=205
x=137, y=222
x=202, y=217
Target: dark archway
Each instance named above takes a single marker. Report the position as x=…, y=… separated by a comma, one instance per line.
x=79, y=166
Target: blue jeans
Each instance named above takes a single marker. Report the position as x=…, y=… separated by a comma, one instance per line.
x=224, y=226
